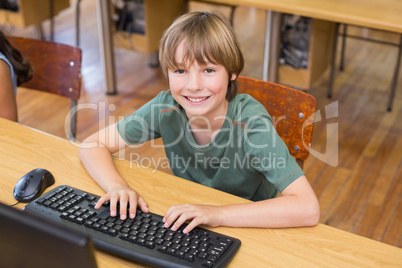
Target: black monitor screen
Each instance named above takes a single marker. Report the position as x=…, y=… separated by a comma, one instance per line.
x=26, y=240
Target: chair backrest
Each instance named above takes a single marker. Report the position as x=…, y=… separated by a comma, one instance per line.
x=292, y=112
x=56, y=69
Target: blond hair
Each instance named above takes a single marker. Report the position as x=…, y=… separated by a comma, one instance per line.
x=205, y=36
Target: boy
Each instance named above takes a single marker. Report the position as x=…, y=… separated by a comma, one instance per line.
x=221, y=139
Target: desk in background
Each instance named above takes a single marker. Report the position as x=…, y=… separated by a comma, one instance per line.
x=23, y=149
x=32, y=13
x=379, y=15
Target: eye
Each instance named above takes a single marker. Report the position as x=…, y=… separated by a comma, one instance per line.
x=179, y=71
x=209, y=70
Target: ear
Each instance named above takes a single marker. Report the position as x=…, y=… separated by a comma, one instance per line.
x=233, y=77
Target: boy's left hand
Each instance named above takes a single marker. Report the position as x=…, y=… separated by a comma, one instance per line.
x=198, y=214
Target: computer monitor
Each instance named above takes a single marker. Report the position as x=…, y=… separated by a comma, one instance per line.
x=26, y=240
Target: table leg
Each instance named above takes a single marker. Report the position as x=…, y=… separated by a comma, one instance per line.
x=106, y=45
x=343, y=47
x=153, y=59
x=51, y=15
x=271, y=46
x=77, y=23
x=332, y=60
x=395, y=77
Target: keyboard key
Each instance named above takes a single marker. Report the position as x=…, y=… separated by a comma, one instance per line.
x=88, y=223
x=79, y=220
x=171, y=251
x=140, y=241
x=207, y=264
x=180, y=254
x=132, y=238
x=202, y=255
x=104, y=229
x=96, y=226
x=47, y=203
x=91, y=198
x=162, y=249
x=158, y=241
x=149, y=244
x=62, y=208
x=189, y=257
x=112, y=232
x=124, y=236
x=41, y=200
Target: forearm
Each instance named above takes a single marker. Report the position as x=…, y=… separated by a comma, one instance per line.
x=99, y=163
x=298, y=206
x=284, y=211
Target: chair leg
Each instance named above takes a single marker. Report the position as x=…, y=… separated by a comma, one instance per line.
x=395, y=77
x=343, y=47
x=300, y=162
x=72, y=134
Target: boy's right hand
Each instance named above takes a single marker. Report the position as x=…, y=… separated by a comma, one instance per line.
x=123, y=196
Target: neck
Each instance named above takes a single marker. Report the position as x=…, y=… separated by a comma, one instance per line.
x=205, y=128
x=212, y=121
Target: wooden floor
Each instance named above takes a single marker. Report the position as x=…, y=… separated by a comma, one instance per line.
x=361, y=194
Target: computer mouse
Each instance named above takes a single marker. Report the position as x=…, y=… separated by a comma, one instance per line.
x=32, y=185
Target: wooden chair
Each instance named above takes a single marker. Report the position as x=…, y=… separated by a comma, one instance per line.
x=56, y=69
x=292, y=112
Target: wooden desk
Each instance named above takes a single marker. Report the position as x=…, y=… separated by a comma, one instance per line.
x=23, y=149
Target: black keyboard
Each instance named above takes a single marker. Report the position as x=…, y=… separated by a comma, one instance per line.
x=142, y=239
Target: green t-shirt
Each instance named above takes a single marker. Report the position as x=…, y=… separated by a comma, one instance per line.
x=247, y=158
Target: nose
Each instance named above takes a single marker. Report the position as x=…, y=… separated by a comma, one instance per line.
x=194, y=82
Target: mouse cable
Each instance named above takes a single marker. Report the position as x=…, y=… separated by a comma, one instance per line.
x=15, y=204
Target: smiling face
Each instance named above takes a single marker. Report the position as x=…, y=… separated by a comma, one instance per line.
x=199, y=88
x=206, y=42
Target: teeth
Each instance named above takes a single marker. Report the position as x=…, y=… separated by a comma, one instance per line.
x=197, y=100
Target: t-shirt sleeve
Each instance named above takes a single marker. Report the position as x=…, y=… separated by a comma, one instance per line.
x=13, y=77
x=143, y=124
x=269, y=154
